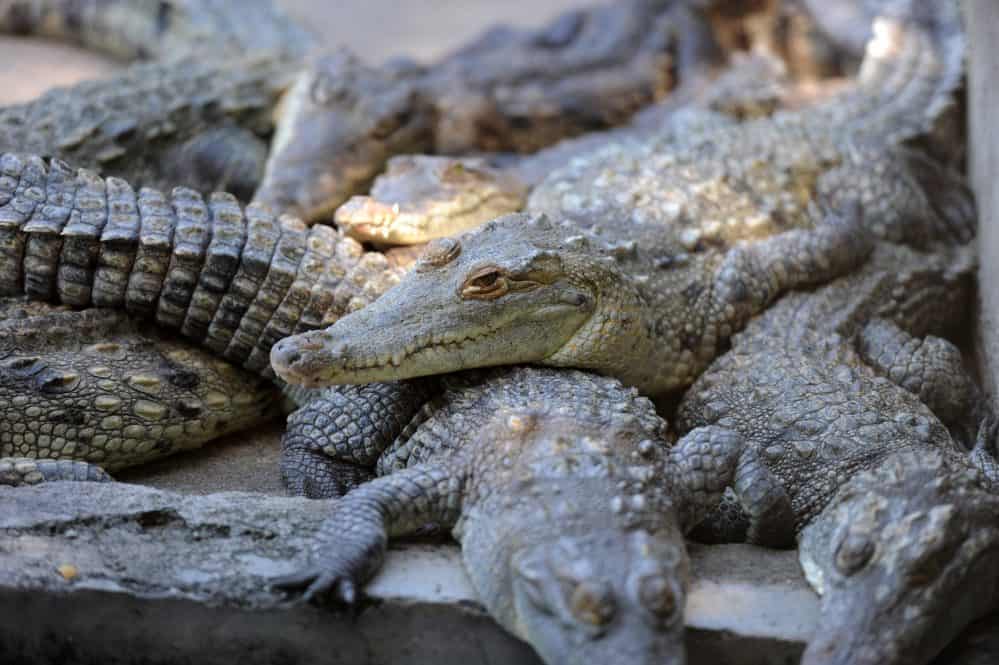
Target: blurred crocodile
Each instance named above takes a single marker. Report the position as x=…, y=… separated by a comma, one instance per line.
x=568, y=503
x=889, y=508
x=507, y=89
x=670, y=248
x=160, y=29
x=423, y=197
x=195, y=122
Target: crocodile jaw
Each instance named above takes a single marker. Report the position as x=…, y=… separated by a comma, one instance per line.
x=391, y=340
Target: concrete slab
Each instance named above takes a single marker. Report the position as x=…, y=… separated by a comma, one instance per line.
x=983, y=100
x=120, y=573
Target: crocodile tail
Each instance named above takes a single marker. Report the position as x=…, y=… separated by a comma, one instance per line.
x=235, y=279
x=913, y=64
x=156, y=29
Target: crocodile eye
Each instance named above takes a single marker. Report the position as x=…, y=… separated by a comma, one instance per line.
x=592, y=603
x=657, y=596
x=486, y=284
x=854, y=553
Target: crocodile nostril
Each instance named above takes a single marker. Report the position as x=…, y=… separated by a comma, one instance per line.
x=285, y=354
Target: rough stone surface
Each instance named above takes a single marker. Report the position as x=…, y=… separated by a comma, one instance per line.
x=101, y=573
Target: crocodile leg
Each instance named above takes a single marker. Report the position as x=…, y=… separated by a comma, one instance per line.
x=930, y=368
x=334, y=439
x=753, y=275
x=351, y=544
x=705, y=463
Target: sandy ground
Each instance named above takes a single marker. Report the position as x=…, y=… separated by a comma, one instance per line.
x=376, y=29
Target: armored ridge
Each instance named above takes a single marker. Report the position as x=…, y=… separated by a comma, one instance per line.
x=157, y=29
x=569, y=506
x=673, y=246
x=231, y=278
x=197, y=122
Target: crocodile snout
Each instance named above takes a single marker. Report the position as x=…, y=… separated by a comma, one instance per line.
x=301, y=359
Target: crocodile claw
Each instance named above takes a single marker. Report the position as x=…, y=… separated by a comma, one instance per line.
x=320, y=585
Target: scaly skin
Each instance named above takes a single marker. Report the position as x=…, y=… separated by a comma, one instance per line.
x=684, y=254
x=95, y=391
x=233, y=279
x=568, y=503
x=159, y=29
x=905, y=557
x=814, y=413
x=420, y=197
x=508, y=90
x=196, y=122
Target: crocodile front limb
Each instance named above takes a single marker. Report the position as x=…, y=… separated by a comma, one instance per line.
x=568, y=503
x=895, y=518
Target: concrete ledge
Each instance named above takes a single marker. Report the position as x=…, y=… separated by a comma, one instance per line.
x=160, y=577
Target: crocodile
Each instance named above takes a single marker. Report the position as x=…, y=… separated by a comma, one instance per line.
x=508, y=90
x=423, y=197
x=340, y=120
x=851, y=409
x=160, y=29
x=664, y=251
x=231, y=278
x=568, y=503
x=196, y=122
x=93, y=391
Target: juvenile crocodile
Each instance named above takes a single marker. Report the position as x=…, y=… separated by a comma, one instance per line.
x=669, y=252
x=160, y=29
x=568, y=503
x=509, y=89
x=888, y=506
x=197, y=122
x=89, y=392
x=422, y=197
x=230, y=278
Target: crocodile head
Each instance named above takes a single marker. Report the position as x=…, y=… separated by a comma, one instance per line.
x=422, y=197
x=905, y=557
x=339, y=123
x=607, y=597
x=519, y=289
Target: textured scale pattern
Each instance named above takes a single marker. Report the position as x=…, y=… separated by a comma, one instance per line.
x=234, y=279
x=159, y=29
x=559, y=480
x=709, y=189
x=95, y=387
x=811, y=409
x=199, y=122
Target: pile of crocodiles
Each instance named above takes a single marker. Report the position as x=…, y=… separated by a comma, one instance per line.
x=646, y=209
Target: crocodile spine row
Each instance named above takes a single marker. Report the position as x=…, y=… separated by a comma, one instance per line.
x=234, y=279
